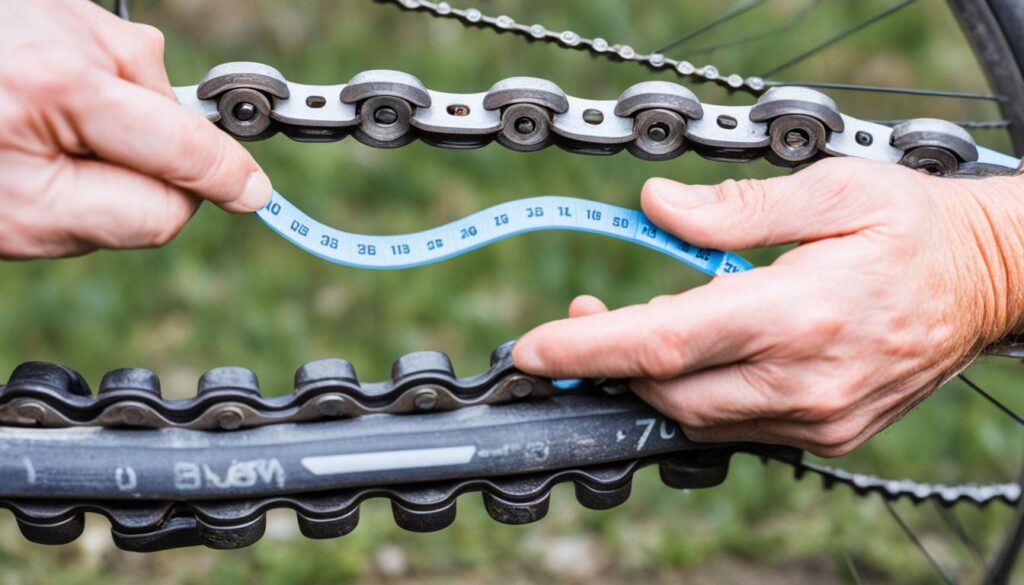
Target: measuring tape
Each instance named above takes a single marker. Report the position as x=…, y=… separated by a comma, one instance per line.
x=486, y=227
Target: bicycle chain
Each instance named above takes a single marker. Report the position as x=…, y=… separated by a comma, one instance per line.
x=228, y=398
x=653, y=120
x=597, y=46
x=151, y=524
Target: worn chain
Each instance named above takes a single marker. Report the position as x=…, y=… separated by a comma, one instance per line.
x=597, y=46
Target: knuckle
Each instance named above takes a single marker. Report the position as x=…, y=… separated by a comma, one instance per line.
x=659, y=357
x=819, y=321
x=833, y=451
x=46, y=78
x=819, y=406
x=840, y=434
x=153, y=38
x=163, y=227
x=748, y=194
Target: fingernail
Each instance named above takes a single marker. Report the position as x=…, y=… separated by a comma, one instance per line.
x=257, y=192
x=680, y=196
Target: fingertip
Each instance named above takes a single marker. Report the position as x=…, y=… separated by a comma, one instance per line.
x=585, y=305
x=255, y=195
x=664, y=195
x=525, y=355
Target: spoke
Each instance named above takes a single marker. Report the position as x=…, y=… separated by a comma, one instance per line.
x=992, y=399
x=917, y=542
x=840, y=36
x=739, y=10
x=966, y=124
x=121, y=9
x=852, y=568
x=1004, y=562
x=796, y=19
x=961, y=533
x=966, y=95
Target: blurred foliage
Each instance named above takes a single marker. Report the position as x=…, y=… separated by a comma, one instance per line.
x=229, y=291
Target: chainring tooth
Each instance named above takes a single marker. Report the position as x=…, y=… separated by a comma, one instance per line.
x=57, y=378
x=137, y=379
x=516, y=512
x=61, y=531
x=334, y=527
x=417, y=519
x=601, y=498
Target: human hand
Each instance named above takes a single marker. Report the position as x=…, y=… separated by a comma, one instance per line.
x=901, y=279
x=95, y=150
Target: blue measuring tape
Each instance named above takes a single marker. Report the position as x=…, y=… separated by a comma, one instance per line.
x=486, y=227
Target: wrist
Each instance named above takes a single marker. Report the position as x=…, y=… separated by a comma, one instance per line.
x=997, y=231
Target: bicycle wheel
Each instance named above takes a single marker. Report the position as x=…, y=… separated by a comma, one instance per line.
x=421, y=501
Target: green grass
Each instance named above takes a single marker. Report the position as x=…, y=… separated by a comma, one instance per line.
x=229, y=291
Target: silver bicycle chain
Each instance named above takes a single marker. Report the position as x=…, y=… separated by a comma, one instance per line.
x=654, y=120
x=597, y=46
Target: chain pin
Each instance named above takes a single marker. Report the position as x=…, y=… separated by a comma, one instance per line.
x=425, y=399
x=245, y=111
x=525, y=125
x=385, y=116
x=230, y=418
x=330, y=405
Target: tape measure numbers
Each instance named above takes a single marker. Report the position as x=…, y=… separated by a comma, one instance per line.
x=486, y=227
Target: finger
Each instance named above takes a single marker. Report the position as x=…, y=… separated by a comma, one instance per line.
x=99, y=205
x=815, y=203
x=721, y=405
x=153, y=135
x=137, y=49
x=585, y=305
x=706, y=326
x=709, y=398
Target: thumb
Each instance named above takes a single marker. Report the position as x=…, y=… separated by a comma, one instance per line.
x=815, y=203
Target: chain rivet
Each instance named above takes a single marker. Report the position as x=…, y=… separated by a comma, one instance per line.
x=330, y=405
x=425, y=399
x=244, y=111
x=385, y=116
x=658, y=132
x=525, y=125
x=230, y=418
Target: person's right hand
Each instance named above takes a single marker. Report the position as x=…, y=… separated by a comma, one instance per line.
x=95, y=151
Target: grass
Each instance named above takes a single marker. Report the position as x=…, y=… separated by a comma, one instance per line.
x=228, y=291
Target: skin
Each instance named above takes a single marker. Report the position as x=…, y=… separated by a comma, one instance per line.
x=899, y=281
x=95, y=151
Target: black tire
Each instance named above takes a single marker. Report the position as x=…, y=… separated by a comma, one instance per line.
x=995, y=29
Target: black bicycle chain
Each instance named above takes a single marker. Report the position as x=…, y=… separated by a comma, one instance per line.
x=152, y=523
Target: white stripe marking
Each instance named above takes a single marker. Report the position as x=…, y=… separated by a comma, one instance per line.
x=388, y=460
